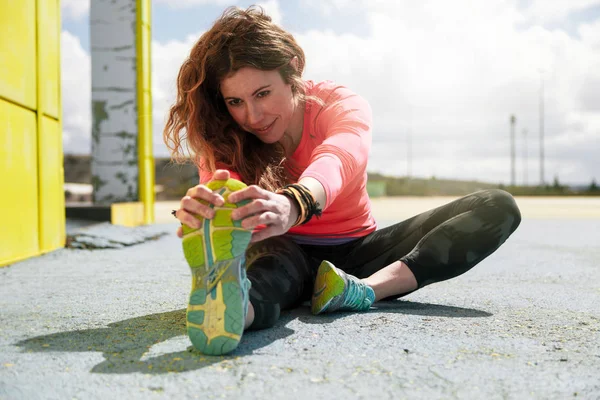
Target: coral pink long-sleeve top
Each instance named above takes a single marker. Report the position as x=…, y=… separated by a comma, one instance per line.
x=334, y=150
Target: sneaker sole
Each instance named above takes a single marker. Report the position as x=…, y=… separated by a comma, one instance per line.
x=328, y=285
x=215, y=253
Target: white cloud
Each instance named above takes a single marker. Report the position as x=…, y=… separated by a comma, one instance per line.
x=75, y=9
x=544, y=11
x=76, y=95
x=194, y=3
x=452, y=78
x=590, y=34
x=76, y=90
x=167, y=59
x=328, y=7
x=272, y=9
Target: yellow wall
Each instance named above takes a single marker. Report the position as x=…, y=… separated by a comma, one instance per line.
x=32, y=209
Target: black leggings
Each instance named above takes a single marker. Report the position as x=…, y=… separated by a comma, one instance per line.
x=435, y=245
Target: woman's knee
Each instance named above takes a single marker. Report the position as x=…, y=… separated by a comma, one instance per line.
x=505, y=201
x=279, y=273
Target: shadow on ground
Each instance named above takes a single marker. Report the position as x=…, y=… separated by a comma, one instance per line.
x=124, y=343
x=429, y=310
x=404, y=307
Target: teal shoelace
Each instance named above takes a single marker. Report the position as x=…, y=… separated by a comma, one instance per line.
x=358, y=295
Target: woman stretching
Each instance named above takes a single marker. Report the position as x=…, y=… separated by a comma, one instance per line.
x=303, y=228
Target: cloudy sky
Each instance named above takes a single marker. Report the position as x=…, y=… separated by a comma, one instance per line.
x=442, y=77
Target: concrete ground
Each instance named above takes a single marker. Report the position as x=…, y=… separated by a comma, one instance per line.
x=110, y=323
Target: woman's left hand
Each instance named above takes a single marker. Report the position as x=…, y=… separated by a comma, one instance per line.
x=276, y=211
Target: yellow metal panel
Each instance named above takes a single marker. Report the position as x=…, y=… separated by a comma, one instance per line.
x=57, y=28
x=146, y=42
x=145, y=121
x=144, y=12
x=127, y=214
x=17, y=52
x=144, y=100
x=51, y=186
x=19, y=199
x=49, y=61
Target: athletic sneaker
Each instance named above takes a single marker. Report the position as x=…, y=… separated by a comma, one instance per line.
x=336, y=290
x=218, y=302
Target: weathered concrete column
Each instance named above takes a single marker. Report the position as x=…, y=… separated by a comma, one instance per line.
x=121, y=105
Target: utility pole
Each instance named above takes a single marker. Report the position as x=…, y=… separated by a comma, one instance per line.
x=409, y=129
x=513, y=121
x=408, y=153
x=525, y=157
x=541, y=128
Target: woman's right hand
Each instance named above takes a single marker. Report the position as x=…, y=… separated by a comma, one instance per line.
x=191, y=206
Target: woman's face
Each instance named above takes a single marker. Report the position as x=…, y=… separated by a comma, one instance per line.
x=260, y=102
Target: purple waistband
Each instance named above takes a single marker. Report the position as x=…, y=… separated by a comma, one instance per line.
x=315, y=240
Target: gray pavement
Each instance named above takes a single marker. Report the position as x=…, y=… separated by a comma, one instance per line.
x=109, y=323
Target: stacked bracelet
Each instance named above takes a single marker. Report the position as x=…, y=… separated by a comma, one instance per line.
x=307, y=205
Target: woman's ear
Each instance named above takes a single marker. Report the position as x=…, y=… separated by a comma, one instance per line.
x=294, y=63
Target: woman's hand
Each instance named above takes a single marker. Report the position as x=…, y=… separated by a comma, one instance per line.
x=276, y=211
x=190, y=206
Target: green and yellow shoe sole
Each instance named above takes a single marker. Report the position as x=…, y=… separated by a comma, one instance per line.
x=215, y=252
x=328, y=285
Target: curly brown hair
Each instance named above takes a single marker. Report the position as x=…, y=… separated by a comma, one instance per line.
x=239, y=38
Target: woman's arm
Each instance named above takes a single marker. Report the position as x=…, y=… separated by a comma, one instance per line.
x=345, y=125
x=316, y=188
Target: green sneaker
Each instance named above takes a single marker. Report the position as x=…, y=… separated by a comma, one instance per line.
x=218, y=303
x=336, y=290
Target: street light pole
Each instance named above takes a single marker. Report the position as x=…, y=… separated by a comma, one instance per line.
x=513, y=121
x=524, y=157
x=541, y=128
x=408, y=153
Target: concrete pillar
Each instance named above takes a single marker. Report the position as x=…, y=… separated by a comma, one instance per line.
x=122, y=162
